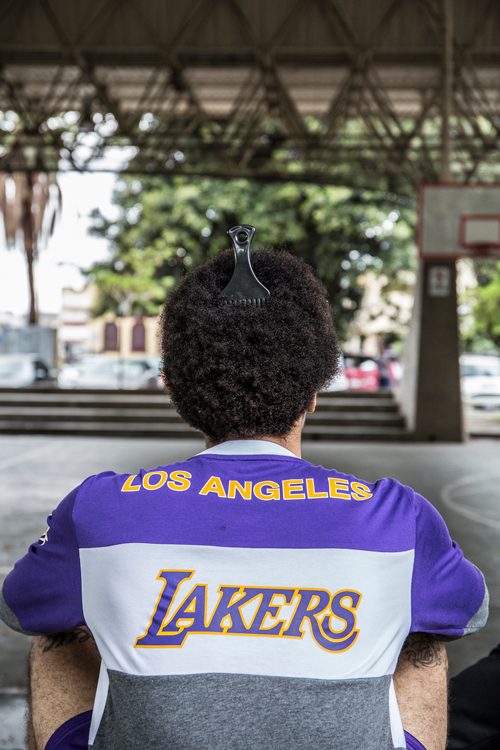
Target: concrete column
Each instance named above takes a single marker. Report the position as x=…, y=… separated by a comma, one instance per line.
x=429, y=395
x=439, y=403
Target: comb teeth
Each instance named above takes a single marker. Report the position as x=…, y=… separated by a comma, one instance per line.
x=257, y=302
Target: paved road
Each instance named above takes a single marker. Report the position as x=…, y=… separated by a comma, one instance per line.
x=462, y=481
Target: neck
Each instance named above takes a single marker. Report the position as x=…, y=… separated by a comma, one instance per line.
x=291, y=442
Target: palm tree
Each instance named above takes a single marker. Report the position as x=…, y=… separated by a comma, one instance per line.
x=30, y=203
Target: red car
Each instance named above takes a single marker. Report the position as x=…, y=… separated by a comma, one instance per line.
x=362, y=373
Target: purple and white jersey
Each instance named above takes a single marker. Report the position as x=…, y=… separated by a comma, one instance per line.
x=245, y=598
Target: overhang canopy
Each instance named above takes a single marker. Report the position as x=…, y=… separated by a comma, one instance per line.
x=346, y=91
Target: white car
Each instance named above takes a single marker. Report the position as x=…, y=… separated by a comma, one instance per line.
x=108, y=373
x=23, y=371
x=480, y=380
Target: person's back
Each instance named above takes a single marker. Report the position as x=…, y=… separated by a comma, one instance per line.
x=246, y=598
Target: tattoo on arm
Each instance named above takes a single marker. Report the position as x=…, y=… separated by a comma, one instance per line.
x=422, y=650
x=58, y=640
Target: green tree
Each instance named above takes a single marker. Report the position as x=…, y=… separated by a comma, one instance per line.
x=479, y=308
x=487, y=311
x=483, y=333
x=168, y=226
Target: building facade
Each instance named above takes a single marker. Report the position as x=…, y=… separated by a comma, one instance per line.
x=80, y=334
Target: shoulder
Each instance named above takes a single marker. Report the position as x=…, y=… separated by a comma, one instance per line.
x=387, y=490
x=112, y=508
x=109, y=485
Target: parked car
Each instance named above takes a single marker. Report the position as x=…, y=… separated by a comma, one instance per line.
x=24, y=370
x=480, y=380
x=106, y=372
x=362, y=372
x=152, y=378
x=339, y=382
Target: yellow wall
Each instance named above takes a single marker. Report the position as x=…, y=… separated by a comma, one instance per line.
x=125, y=326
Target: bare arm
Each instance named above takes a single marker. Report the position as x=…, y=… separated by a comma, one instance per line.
x=64, y=668
x=421, y=683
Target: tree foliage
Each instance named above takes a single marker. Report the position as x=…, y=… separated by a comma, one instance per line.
x=168, y=226
x=481, y=322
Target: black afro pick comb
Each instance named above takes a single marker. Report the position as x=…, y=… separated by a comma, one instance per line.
x=244, y=287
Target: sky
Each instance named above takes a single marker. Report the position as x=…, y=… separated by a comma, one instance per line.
x=69, y=248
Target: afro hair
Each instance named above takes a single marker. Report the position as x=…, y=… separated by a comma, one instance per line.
x=242, y=371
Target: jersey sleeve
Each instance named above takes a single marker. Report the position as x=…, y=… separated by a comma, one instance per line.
x=449, y=594
x=43, y=593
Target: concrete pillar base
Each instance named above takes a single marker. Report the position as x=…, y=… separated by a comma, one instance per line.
x=430, y=394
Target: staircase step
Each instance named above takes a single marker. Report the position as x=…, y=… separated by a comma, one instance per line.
x=349, y=432
x=356, y=418
x=101, y=414
x=355, y=394
x=43, y=391
x=182, y=430
x=87, y=398
x=51, y=411
x=355, y=404
x=102, y=429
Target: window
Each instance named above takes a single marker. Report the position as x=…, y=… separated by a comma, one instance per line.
x=110, y=337
x=139, y=337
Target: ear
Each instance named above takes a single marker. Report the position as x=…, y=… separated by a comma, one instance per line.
x=312, y=405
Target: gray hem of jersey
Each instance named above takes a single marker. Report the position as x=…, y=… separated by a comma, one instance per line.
x=10, y=618
x=478, y=620
x=218, y=711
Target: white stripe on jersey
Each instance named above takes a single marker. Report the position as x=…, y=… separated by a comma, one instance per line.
x=121, y=590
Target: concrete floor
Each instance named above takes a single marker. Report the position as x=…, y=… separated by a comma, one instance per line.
x=462, y=481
